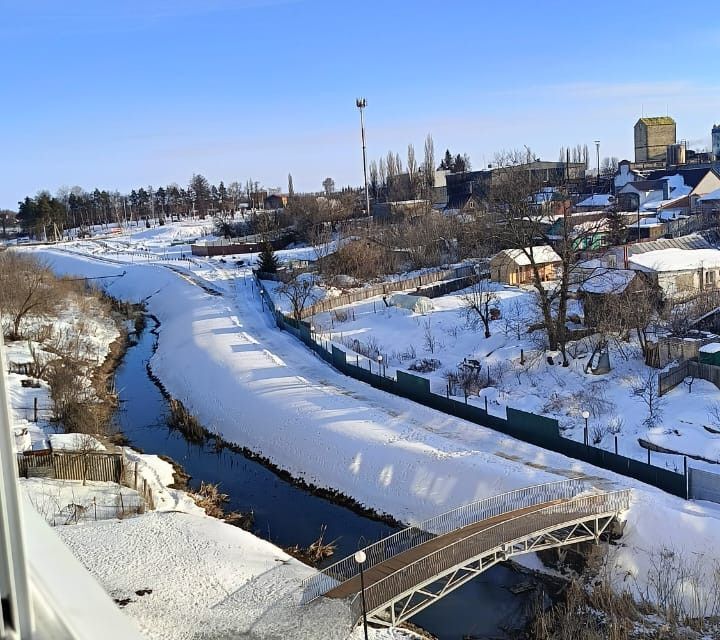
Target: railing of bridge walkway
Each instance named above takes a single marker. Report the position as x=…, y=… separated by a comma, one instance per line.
x=320, y=583
x=465, y=549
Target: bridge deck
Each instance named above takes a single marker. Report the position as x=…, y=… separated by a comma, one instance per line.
x=382, y=570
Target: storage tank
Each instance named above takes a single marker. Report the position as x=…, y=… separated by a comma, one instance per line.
x=676, y=153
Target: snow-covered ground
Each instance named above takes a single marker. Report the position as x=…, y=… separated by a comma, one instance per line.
x=176, y=571
x=81, y=327
x=405, y=338
x=223, y=357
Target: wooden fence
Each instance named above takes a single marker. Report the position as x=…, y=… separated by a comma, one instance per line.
x=100, y=466
x=689, y=368
x=387, y=287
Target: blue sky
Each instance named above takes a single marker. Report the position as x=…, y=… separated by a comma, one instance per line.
x=126, y=94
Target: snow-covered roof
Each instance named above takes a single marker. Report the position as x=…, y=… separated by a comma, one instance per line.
x=677, y=260
x=713, y=195
x=713, y=347
x=604, y=280
x=597, y=200
x=541, y=255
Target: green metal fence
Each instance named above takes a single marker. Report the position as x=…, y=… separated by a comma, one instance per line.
x=529, y=427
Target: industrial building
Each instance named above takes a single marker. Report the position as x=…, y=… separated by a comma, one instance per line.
x=652, y=137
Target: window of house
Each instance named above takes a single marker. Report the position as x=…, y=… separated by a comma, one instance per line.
x=710, y=278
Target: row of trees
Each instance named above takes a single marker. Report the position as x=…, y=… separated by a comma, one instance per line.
x=47, y=215
x=390, y=180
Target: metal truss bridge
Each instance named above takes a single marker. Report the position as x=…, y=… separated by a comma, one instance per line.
x=410, y=570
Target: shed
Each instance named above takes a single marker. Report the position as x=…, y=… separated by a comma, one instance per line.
x=513, y=266
x=418, y=304
x=710, y=353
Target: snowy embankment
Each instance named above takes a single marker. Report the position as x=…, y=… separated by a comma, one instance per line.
x=223, y=357
x=162, y=564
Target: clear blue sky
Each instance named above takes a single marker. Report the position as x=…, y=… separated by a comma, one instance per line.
x=121, y=94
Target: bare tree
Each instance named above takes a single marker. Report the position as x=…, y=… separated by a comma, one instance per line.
x=478, y=303
x=647, y=388
x=428, y=168
x=412, y=171
x=299, y=293
x=522, y=225
x=25, y=289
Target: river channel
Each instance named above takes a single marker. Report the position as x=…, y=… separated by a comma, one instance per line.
x=287, y=515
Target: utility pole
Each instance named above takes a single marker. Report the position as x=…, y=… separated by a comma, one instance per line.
x=597, y=150
x=361, y=103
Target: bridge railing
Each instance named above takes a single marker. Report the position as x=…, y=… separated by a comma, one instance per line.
x=461, y=551
x=411, y=537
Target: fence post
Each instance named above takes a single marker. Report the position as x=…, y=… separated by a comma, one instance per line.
x=616, y=444
x=687, y=478
x=485, y=404
x=35, y=409
x=648, y=456
x=136, y=471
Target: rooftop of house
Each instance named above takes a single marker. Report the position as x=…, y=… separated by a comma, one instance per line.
x=691, y=241
x=667, y=260
x=597, y=200
x=543, y=254
x=691, y=176
x=607, y=280
x=713, y=195
x=644, y=185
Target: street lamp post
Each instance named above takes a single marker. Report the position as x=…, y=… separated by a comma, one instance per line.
x=381, y=372
x=586, y=415
x=360, y=558
x=361, y=103
x=597, y=151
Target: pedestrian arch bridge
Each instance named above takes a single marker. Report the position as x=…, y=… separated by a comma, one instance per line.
x=410, y=570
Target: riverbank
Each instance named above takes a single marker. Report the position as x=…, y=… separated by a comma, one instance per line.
x=251, y=384
x=288, y=515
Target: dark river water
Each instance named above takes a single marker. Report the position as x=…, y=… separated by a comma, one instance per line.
x=287, y=515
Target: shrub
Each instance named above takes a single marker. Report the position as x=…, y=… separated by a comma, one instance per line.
x=426, y=365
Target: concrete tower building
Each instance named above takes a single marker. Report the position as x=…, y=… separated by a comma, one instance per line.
x=652, y=137
x=716, y=141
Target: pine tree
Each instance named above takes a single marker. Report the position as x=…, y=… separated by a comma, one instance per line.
x=291, y=189
x=267, y=260
x=617, y=230
x=447, y=161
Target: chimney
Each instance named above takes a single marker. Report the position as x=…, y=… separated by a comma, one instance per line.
x=666, y=190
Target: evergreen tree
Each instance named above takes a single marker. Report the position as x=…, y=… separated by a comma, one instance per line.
x=617, y=230
x=267, y=260
x=291, y=189
x=447, y=161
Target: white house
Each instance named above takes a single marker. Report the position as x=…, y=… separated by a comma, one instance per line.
x=680, y=273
